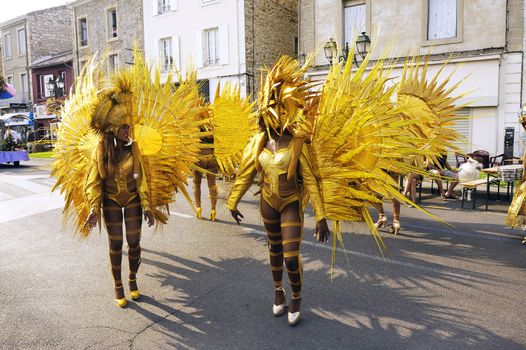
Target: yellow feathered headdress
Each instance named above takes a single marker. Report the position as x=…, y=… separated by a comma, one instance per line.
x=114, y=107
x=285, y=94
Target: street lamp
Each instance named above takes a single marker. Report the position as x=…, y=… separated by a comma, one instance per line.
x=361, y=47
x=55, y=87
x=331, y=50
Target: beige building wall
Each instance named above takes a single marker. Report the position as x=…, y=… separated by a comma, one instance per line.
x=487, y=49
x=16, y=65
x=404, y=22
x=47, y=32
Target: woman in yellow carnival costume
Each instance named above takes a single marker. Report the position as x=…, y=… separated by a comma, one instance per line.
x=117, y=181
x=517, y=210
x=125, y=146
x=279, y=156
x=208, y=167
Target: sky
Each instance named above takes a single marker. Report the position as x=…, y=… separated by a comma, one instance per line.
x=13, y=8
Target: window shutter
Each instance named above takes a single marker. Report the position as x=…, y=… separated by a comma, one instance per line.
x=155, y=4
x=463, y=127
x=175, y=53
x=223, y=44
x=442, y=19
x=199, y=50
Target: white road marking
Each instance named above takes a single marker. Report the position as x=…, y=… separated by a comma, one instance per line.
x=29, y=205
x=186, y=216
x=26, y=184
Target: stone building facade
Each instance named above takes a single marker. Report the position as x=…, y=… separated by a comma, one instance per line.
x=26, y=39
x=271, y=29
x=483, y=39
x=106, y=26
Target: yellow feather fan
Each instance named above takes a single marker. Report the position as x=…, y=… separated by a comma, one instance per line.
x=432, y=104
x=359, y=140
x=234, y=123
x=76, y=141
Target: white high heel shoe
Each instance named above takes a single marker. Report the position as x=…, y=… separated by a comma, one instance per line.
x=382, y=221
x=278, y=310
x=294, y=317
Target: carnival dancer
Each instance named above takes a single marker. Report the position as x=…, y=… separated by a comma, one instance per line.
x=117, y=157
x=208, y=167
x=278, y=154
x=117, y=180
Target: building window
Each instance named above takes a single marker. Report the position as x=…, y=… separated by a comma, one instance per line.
x=10, y=80
x=113, y=62
x=7, y=45
x=63, y=78
x=43, y=91
x=211, y=47
x=83, y=32
x=41, y=86
x=164, y=6
x=21, y=41
x=167, y=60
x=441, y=19
x=111, y=15
x=354, y=20
x=24, y=83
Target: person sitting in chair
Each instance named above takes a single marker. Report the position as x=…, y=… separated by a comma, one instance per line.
x=443, y=169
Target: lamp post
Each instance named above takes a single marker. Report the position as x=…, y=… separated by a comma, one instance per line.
x=55, y=87
x=330, y=50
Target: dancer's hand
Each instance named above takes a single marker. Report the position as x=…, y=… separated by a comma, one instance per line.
x=322, y=231
x=149, y=217
x=92, y=220
x=236, y=214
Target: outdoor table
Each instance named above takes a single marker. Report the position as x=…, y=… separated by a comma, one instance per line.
x=493, y=176
x=13, y=156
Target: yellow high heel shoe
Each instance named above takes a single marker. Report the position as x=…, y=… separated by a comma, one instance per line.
x=213, y=215
x=122, y=301
x=134, y=294
x=199, y=212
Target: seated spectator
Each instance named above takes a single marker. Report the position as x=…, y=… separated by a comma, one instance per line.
x=443, y=169
x=410, y=186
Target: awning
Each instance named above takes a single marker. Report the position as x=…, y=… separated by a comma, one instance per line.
x=16, y=119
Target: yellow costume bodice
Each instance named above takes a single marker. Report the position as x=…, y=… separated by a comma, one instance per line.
x=272, y=166
x=120, y=185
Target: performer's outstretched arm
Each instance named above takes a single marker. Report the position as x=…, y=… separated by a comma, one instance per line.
x=245, y=176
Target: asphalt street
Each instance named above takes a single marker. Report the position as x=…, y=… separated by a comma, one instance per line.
x=207, y=285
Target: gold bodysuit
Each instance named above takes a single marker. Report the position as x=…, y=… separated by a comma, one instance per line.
x=119, y=184
x=274, y=165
